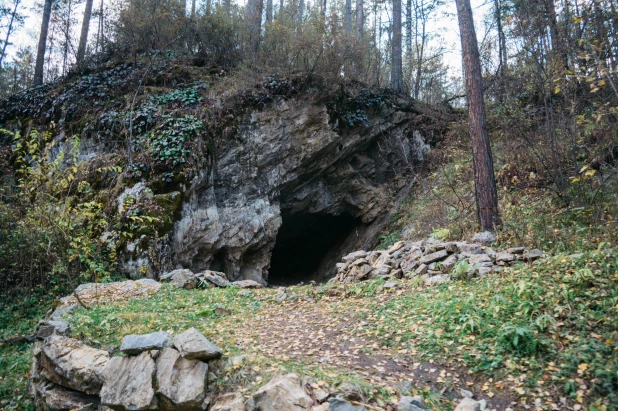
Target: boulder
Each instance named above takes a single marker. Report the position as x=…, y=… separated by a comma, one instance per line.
x=484, y=271
x=484, y=238
x=339, y=404
x=516, y=250
x=448, y=264
x=504, y=257
x=229, y=402
x=193, y=345
x=437, y=256
x=407, y=403
x=182, y=382
x=283, y=392
x=214, y=277
x=128, y=383
x=468, y=404
x=71, y=364
x=533, y=255
x=422, y=269
x=48, y=327
x=437, y=279
x=247, y=284
x=183, y=279
x=479, y=258
x=134, y=344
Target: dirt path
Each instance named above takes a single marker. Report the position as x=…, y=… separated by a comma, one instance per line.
x=326, y=332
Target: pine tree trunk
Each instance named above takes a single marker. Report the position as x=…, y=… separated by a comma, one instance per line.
x=40, y=55
x=409, y=27
x=396, y=71
x=360, y=17
x=83, y=38
x=484, y=179
x=348, y=16
x=501, y=38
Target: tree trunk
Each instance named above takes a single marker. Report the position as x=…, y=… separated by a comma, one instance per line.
x=484, y=179
x=208, y=6
x=396, y=70
x=301, y=11
x=269, y=11
x=9, y=31
x=501, y=38
x=255, y=13
x=227, y=5
x=348, y=16
x=83, y=38
x=360, y=17
x=40, y=55
x=100, y=29
x=409, y=27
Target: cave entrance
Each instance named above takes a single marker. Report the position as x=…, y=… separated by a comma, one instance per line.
x=304, y=243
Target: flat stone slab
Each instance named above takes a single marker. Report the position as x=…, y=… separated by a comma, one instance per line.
x=128, y=383
x=433, y=257
x=191, y=344
x=247, y=284
x=134, y=344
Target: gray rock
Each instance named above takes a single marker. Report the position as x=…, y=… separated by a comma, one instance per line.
x=451, y=247
x=359, y=261
x=485, y=271
x=491, y=253
x=479, y=258
x=341, y=266
x=466, y=393
x=389, y=285
x=381, y=271
x=229, y=402
x=437, y=279
x=468, y=404
x=354, y=256
x=430, y=258
x=180, y=381
x=411, y=404
x=134, y=344
x=505, y=257
x=51, y=397
x=448, y=264
x=360, y=272
x=339, y=404
x=193, y=345
x=469, y=248
x=214, y=277
x=128, y=383
x=484, y=238
x=59, y=313
x=183, y=279
x=576, y=256
x=516, y=250
x=283, y=392
x=395, y=247
x=70, y=363
x=48, y=327
x=247, y=284
x=486, y=264
x=422, y=269
x=533, y=255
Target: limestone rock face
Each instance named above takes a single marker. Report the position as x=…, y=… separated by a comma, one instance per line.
x=181, y=381
x=128, y=383
x=281, y=393
x=193, y=345
x=69, y=363
x=135, y=344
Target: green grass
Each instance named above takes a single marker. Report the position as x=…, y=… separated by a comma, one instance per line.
x=555, y=322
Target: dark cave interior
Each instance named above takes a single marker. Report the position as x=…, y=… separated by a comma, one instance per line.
x=304, y=241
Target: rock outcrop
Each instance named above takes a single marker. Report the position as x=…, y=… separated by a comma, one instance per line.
x=323, y=150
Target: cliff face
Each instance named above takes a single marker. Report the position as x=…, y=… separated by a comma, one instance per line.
x=296, y=178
